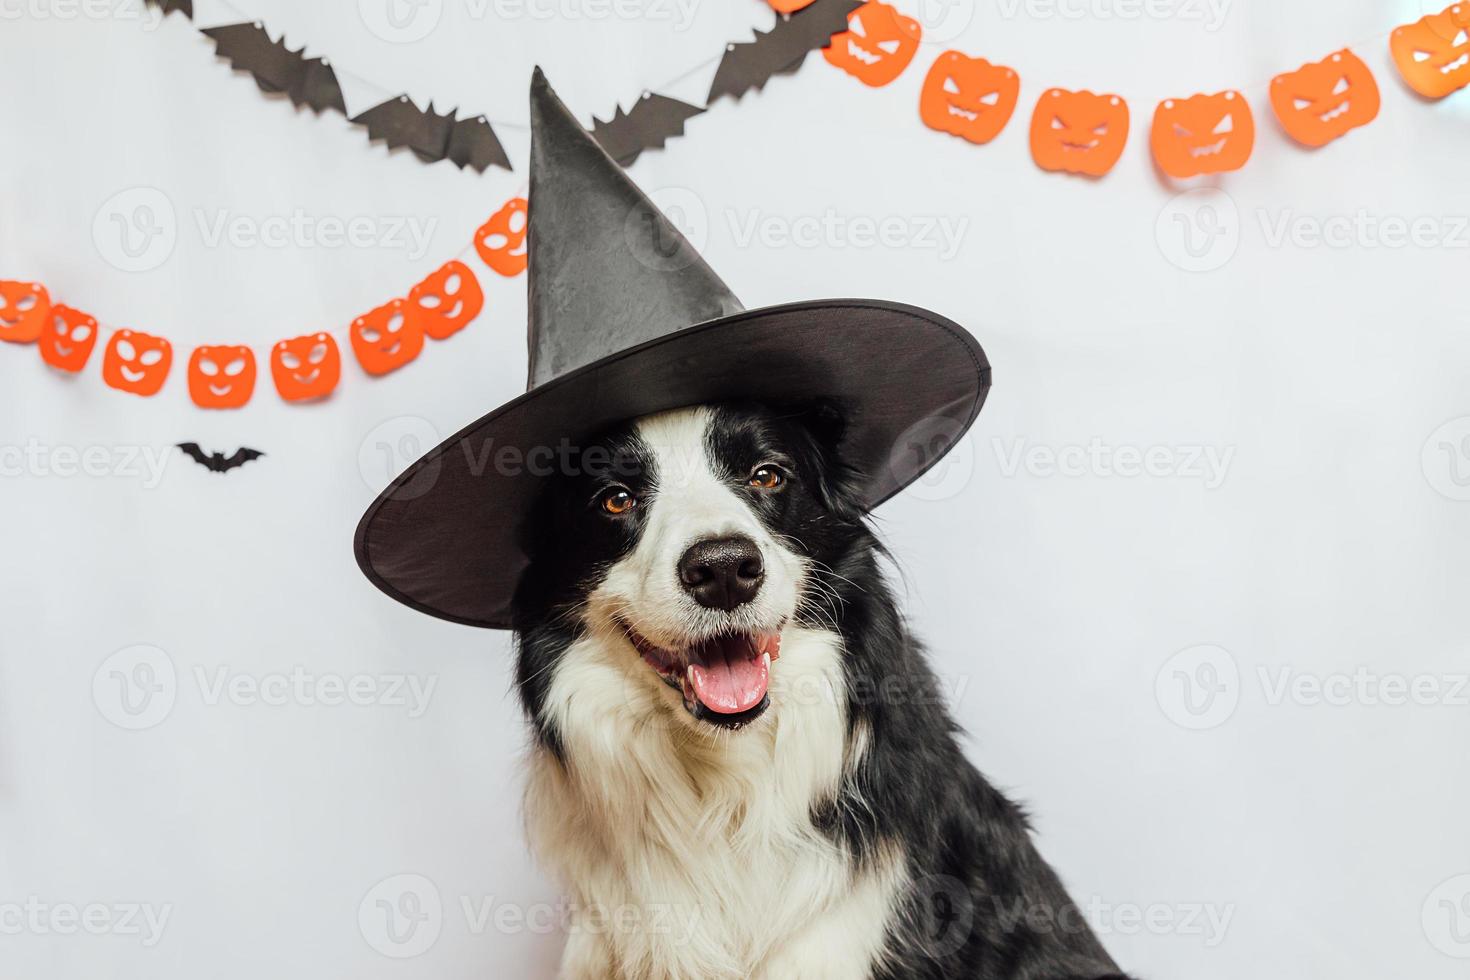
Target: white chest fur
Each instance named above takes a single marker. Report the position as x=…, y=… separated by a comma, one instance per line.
x=690, y=852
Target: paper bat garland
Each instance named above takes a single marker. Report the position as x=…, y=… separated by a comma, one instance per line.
x=781, y=50
x=653, y=121
x=308, y=81
x=431, y=136
x=218, y=462
x=471, y=142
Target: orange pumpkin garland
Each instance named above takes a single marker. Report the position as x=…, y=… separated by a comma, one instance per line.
x=1203, y=134
x=1078, y=132
x=968, y=97
x=1433, y=53
x=877, y=46
x=1324, y=100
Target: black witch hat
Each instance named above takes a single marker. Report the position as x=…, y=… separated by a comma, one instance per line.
x=625, y=320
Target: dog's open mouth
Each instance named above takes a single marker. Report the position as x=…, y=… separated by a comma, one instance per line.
x=724, y=680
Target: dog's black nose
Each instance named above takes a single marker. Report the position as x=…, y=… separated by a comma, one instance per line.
x=722, y=573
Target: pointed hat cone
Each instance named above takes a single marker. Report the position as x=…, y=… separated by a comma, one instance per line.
x=607, y=269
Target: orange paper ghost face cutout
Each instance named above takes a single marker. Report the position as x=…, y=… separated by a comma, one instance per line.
x=1203, y=134
x=968, y=97
x=447, y=300
x=306, y=367
x=24, y=311
x=1321, y=101
x=136, y=362
x=501, y=241
x=1433, y=53
x=877, y=46
x=1078, y=132
x=67, y=341
x=387, y=338
x=221, y=376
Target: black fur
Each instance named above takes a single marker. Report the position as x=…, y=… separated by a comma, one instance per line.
x=984, y=904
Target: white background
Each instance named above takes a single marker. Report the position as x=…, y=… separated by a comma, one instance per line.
x=1113, y=644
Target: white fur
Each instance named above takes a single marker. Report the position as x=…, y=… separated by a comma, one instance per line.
x=689, y=850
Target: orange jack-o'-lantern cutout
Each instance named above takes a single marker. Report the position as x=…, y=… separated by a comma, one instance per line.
x=1321, y=101
x=387, y=338
x=501, y=241
x=790, y=6
x=1203, y=134
x=24, y=307
x=68, y=339
x=447, y=300
x=877, y=46
x=1078, y=132
x=306, y=367
x=1433, y=53
x=222, y=376
x=968, y=97
x=136, y=362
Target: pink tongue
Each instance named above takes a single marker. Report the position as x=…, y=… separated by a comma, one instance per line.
x=729, y=685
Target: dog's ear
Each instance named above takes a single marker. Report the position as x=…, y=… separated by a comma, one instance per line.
x=837, y=481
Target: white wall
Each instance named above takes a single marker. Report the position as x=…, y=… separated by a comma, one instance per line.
x=1329, y=540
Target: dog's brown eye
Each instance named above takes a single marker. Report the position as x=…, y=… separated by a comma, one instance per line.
x=617, y=500
x=767, y=478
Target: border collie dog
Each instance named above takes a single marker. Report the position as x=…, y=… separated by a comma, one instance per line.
x=742, y=768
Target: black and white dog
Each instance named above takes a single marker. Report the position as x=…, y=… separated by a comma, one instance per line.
x=735, y=729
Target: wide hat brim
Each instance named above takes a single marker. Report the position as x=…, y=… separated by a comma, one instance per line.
x=445, y=537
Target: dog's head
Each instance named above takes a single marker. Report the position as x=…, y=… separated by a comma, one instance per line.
x=688, y=542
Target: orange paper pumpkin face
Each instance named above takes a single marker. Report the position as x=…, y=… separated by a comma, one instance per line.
x=221, y=376
x=306, y=367
x=968, y=97
x=1078, y=132
x=447, y=300
x=136, y=362
x=1319, y=102
x=387, y=338
x=1433, y=53
x=501, y=241
x=1203, y=134
x=877, y=46
x=790, y=6
x=24, y=309
x=68, y=339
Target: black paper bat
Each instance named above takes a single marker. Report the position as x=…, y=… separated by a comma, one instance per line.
x=186, y=7
x=431, y=136
x=654, y=120
x=218, y=462
x=308, y=81
x=781, y=50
